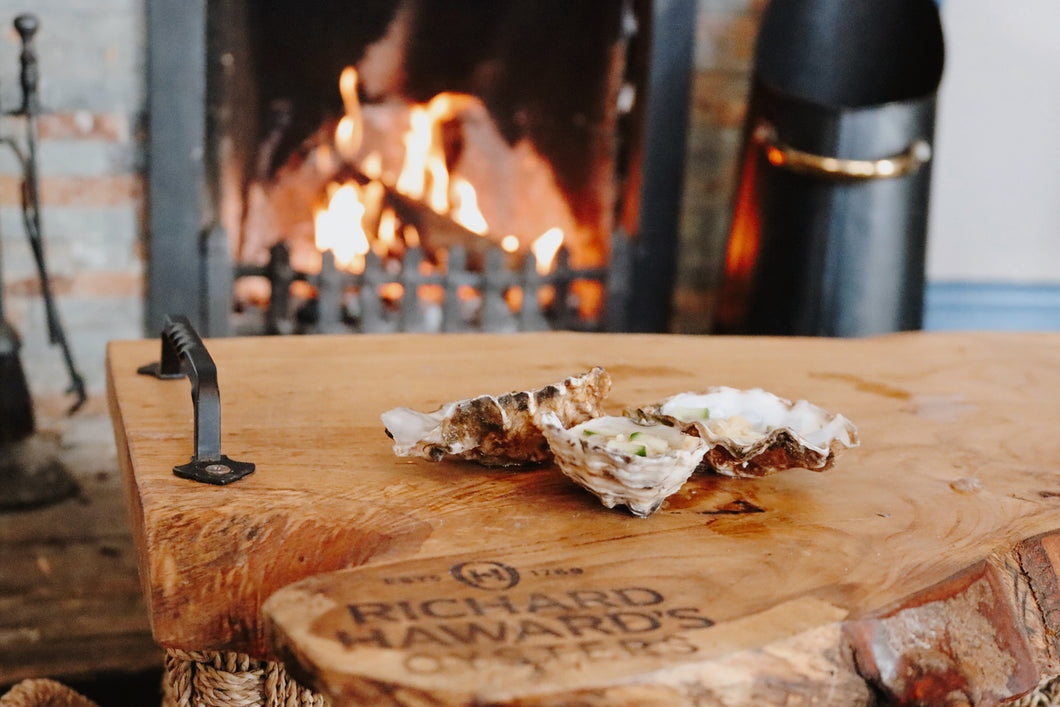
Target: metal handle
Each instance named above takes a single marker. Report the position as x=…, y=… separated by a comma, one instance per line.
x=184, y=353
x=787, y=157
x=27, y=25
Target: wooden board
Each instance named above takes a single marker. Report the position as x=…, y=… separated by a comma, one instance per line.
x=922, y=564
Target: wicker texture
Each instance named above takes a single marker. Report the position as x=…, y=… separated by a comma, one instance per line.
x=203, y=679
x=212, y=679
x=1045, y=695
x=43, y=693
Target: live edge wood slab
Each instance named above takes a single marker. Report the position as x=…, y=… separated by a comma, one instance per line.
x=921, y=569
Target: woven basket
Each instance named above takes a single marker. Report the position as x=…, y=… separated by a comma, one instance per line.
x=205, y=678
x=200, y=679
x=1046, y=695
x=43, y=693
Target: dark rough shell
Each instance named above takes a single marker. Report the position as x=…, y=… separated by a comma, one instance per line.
x=497, y=430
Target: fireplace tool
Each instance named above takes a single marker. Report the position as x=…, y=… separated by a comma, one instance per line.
x=30, y=472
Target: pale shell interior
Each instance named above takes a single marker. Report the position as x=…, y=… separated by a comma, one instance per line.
x=764, y=412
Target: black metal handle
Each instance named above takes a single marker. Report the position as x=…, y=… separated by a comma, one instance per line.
x=27, y=25
x=184, y=353
x=784, y=156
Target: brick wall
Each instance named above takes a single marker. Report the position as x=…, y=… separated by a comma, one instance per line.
x=725, y=37
x=90, y=158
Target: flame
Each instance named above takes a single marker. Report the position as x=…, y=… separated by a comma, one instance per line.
x=350, y=131
x=545, y=248
x=348, y=88
x=357, y=218
x=412, y=181
x=411, y=236
x=339, y=229
x=465, y=208
x=424, y=173
x=348, y=137
x=436, y=171
x=387, y=232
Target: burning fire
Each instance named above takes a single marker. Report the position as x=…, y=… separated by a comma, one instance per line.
x=350, y=131
x=357, y=217
x=339, y=229
x=545, y=249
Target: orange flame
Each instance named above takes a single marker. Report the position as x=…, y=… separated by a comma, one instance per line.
x=350, y=131
x=357, y=219
x=348, y=88
x=412, y=181
x=465, y=207
x=338, y=228
x=545, y=248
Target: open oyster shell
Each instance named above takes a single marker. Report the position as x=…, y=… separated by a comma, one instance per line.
x=753, y=433
x=496, y=430
x=622, y=461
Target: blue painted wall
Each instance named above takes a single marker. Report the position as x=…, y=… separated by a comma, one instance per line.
x=991, y=306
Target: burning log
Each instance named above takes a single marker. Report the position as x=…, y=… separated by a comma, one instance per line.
x=437, y=231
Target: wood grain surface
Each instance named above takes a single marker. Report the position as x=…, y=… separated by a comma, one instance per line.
x=922, y=567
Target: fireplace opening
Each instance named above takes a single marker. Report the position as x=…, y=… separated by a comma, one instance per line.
x=401, y=165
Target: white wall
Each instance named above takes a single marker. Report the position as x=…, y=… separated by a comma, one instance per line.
x=995, y=201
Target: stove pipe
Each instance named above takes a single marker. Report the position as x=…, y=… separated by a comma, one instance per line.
x=829, y=231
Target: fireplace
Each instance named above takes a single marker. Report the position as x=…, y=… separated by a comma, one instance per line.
x=564, y=125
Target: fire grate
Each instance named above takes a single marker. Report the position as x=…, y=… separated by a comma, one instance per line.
x=506, y=294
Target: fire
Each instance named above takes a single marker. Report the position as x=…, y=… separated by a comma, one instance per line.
x=350, y=130
x=411, y=236
x=348, y=90
x=545, y=249
x=465, y=208
x=412, y=181
x=338, y=228
x=425, y=175
x=388, y=228
x=358, y=217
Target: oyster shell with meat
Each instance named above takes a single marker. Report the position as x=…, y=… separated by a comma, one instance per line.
x=751, y=433
x=624, y=462
x=497, y=430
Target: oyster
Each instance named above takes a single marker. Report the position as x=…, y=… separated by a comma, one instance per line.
x=497, y=430
x=622, y=461
x=753, y=432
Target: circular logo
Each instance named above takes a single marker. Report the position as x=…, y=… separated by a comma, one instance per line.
x=485, y=575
